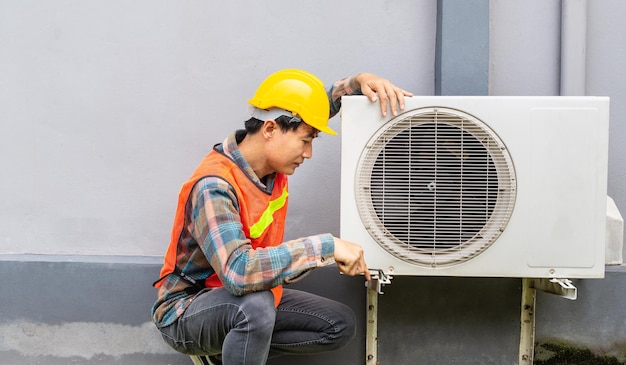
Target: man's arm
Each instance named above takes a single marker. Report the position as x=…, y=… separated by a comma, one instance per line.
x=242, y=269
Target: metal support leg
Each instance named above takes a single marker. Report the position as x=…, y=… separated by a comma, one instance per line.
x=527, y=322
x=371, y=340
x=374, y=287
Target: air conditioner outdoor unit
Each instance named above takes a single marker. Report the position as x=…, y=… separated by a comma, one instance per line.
x=477, y=186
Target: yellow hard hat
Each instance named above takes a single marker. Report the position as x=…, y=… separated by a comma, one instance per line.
x=297, y=91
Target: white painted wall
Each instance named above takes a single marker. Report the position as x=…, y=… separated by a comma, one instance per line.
x=524, y=47
x=107, y=106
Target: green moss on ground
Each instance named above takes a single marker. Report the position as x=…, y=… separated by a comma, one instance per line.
x=561, y=354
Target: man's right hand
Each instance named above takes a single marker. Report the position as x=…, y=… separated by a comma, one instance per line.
x=349, y=258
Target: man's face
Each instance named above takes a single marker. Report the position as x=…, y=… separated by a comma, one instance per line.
x=288, y=150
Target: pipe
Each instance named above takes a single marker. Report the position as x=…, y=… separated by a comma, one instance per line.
x=573, y=47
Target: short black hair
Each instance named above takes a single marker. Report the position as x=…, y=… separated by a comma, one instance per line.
x=285, y=123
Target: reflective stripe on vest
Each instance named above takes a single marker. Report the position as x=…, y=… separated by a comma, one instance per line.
x=257, y=229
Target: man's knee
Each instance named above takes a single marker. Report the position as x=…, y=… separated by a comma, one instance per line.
x=345, y=327
x=258, y=310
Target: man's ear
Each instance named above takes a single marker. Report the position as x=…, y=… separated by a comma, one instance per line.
x=269, y=128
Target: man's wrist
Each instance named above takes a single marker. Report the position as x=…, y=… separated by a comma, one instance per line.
x=355, y=85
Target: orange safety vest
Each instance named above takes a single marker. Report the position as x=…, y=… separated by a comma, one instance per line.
x=262, y=214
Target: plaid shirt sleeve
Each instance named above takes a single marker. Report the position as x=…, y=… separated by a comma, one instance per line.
x=345, y=86
x=218, y=230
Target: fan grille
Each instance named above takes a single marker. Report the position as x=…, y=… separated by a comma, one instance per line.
x=435, y=187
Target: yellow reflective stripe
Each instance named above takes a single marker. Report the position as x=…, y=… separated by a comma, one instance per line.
x=257, y=229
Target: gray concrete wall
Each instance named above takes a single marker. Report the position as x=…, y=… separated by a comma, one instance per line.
x=88, y=310
x=105, y=108
x=81, y=310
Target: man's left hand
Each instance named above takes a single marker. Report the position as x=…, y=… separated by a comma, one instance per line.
x=378, y=88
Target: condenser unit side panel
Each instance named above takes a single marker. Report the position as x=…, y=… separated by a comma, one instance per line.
x=565, y=188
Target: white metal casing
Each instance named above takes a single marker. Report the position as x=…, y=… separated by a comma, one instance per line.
x=559, y=149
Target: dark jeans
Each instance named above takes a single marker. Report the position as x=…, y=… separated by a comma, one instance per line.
x=248, y=329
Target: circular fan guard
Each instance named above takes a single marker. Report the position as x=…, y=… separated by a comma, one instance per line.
x=435, y=187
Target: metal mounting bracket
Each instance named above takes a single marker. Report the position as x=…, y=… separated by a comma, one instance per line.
x=378, y=280
x=561, y=287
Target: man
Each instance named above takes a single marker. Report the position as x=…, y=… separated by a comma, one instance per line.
x=221, y=288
